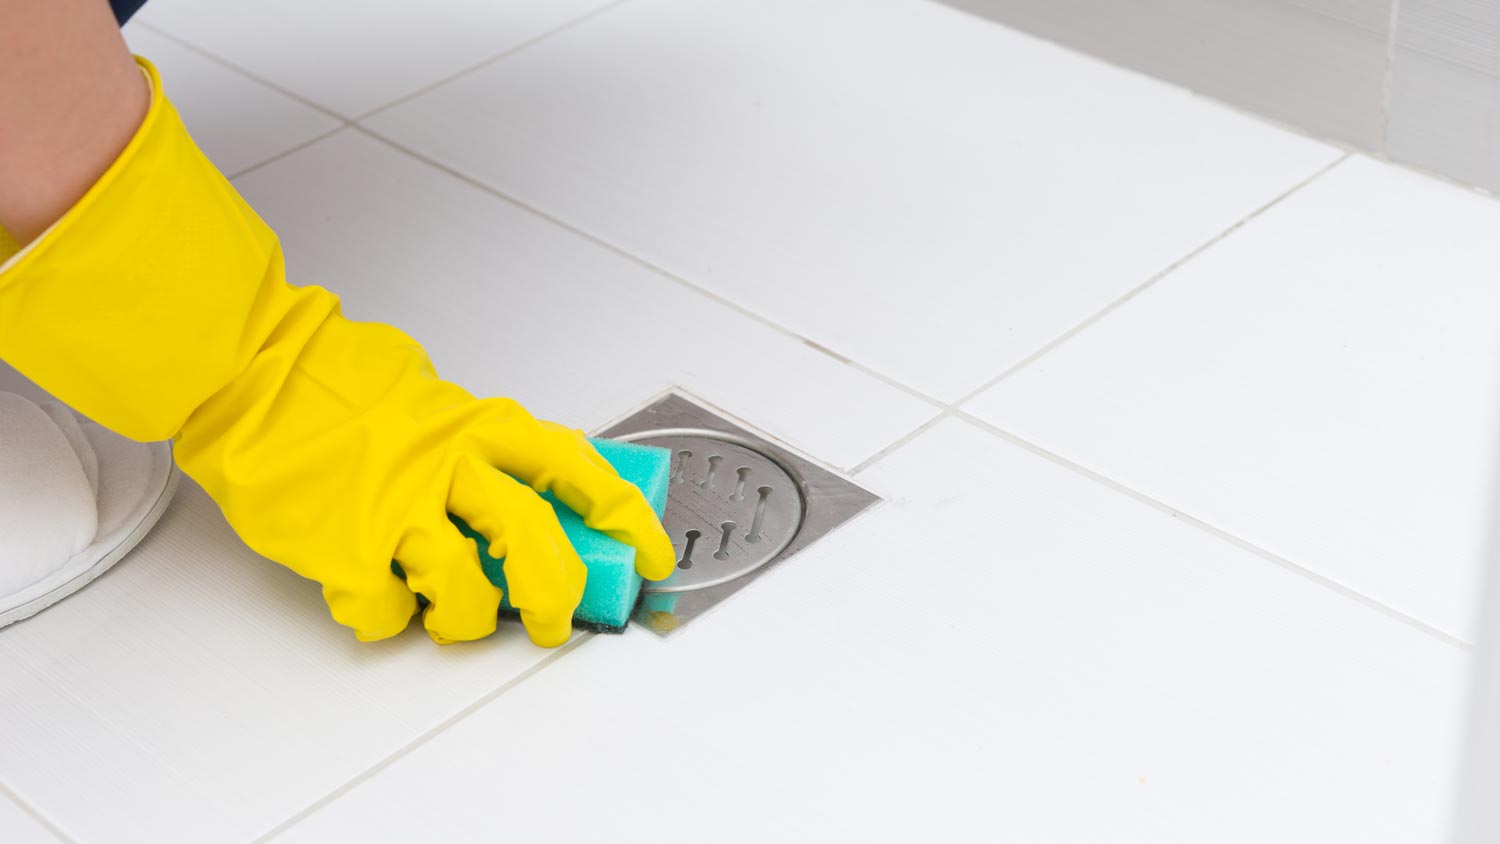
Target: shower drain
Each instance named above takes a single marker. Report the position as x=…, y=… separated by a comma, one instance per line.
x=738, y=505
x=731, y=509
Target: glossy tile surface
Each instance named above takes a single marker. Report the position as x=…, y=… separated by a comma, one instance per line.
x=351, y=56
x=892, y=180
x=1322, y=382
x=237, y=121
x=1070, y=665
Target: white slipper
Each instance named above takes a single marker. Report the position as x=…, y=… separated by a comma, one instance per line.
x=74, y=499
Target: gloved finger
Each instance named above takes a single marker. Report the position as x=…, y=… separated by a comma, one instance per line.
x=569, y=467
x=573, y=435
x=542, y=570
x=616, y=507
x=443, y=565
x=377, y=607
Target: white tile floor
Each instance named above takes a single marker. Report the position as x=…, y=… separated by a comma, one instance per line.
x=1188, y=554
x=1321, y=383
x=895, y=160
x=17, y=827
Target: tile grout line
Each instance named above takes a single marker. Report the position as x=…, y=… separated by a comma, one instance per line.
x=437, y=729
x=1167, y=509
x=242, y=71
x=344, y=121
x=508, y=51
x=900, y=442
x=6, y=792
x=1213, y=530
x=245, y=171
x=655, y=269
x=1148, y=283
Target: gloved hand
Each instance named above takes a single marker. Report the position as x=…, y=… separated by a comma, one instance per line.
x=158, y=307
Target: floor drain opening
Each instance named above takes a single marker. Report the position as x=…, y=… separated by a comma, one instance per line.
x=682, y=459
x=760, y=514
x=723, y=552
x=739, y=485
x=689, y=540
x=738, y=504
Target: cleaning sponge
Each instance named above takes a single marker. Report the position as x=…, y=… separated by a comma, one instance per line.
x=612, y=587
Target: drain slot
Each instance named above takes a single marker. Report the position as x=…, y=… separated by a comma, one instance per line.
x=682, y=459
x=760, y=515
x=723, y=552
x=691, y=539
x=713, y=469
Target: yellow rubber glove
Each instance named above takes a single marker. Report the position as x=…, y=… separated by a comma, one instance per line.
x=8, y=245
x=158, y=307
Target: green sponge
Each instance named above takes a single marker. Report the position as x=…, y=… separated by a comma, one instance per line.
x=612, y=587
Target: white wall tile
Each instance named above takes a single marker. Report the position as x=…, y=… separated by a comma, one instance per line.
x=352, y=56
x=1322, y=383
x=1445, y=84
x=931, y=196
x=1005, y=651
x=237, y=121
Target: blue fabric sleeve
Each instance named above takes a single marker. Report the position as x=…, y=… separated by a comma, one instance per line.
x=125, y=8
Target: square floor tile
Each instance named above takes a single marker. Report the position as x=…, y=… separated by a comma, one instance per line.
x=1004, y=651
x=208, y=684
x=927, y=193
x=352, y=56
x=237, y=121
x=510, y=304
x=1322, y=383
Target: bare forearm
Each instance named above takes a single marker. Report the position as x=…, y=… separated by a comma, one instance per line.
x=70, y=100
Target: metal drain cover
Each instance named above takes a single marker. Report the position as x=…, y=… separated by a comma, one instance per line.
x=730, y=509
x=738, y=504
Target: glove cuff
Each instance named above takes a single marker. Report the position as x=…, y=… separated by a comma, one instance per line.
x=154, y=291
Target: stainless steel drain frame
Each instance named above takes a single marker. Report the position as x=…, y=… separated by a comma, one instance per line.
x=739, y=505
